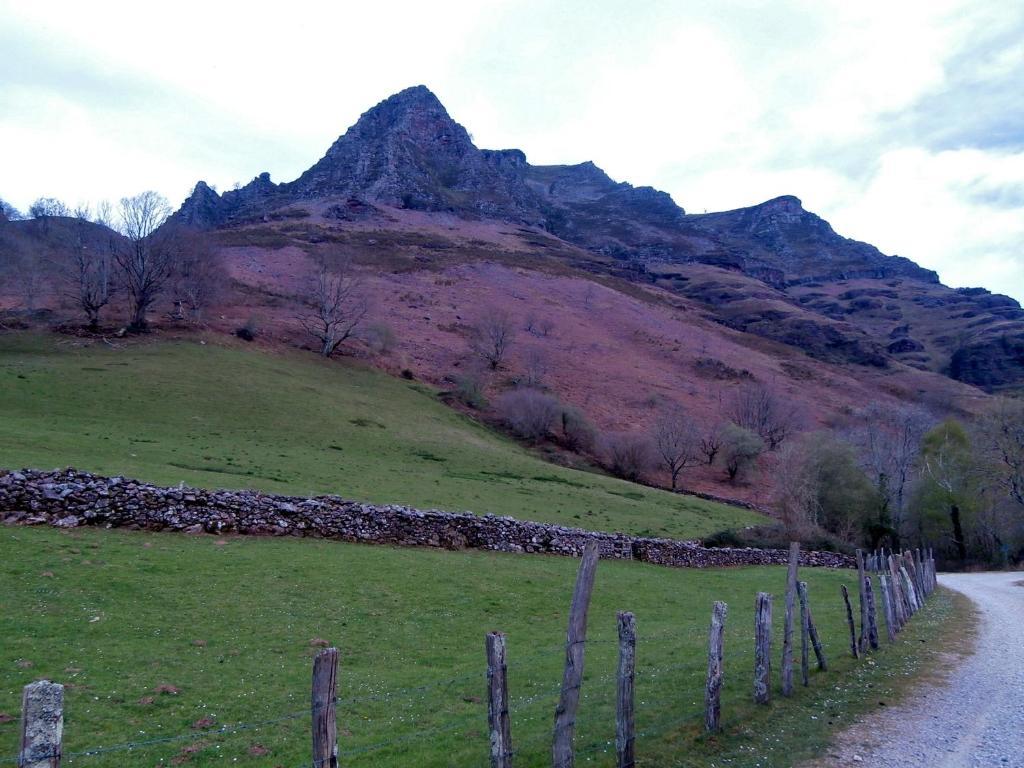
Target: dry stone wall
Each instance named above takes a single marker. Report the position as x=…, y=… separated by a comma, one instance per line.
x=69, y=499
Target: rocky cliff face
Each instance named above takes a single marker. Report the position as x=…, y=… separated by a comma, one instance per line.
x=835, y=298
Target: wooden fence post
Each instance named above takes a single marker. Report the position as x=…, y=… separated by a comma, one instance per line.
x=572, y=677
x=625, y=728
x=900, y=603
x=812, y=630
x=908, y=567
x=869, y=595
x=805, y=635
x=908, y=585
x=787, y=629
x=854, y=645
x=763, y=648
x=862, y=638
x=497, y=701
x=42, y=725
x=713, y=688
x=890, y=622
x=915, y=558
x=324, y=700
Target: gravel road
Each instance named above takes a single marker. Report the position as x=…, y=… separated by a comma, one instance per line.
x=973, y=719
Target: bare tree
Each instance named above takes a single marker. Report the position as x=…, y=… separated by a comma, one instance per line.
x=104, y=214
x=492, y=335
x=762, y=410
x=711, y=443
x=675, y=441
x=336, y=306
x=888, y=443
x=629, y=454
x=89, y=277
x=535, y=370
x=1002, y=435
x=8, y=212
x=46, y=207
x=146, y=256
x=199, y=276
x=740, y=449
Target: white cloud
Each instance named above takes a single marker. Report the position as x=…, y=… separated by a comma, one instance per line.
x=947, y=210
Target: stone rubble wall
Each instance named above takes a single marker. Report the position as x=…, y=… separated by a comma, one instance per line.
x=69, y=499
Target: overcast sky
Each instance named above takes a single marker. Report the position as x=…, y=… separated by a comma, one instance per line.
x=901, y=122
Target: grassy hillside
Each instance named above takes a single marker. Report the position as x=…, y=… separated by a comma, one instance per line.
x=227, y=624
x=221, y=416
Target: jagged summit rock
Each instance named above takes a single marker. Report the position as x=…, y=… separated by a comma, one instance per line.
x=408, y=152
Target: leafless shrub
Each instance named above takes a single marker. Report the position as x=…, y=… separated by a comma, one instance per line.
x=469, y=388
x=335, y=307
x=380, y=337
x=492, y=335
x=629, y=454
x=529, y=413
x=539, y=327
x=535, y=370
x=578, y=433
x=764, y=411
x=676, y=442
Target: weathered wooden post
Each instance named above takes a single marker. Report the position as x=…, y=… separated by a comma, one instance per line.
x=900, y=602
x=42, y=725
x=908, y=567
x=497, y=701
x=854, y=645
x=713, y=688
x=920, y=572
x=869, y=595
x=787, y=628
x=812, y=630
x=625, y=728
x=908, y=586
x=324, y=700
x=572, y=678
x=805, y=635
x=890, y=621
x=862, y=638
x=763, y=648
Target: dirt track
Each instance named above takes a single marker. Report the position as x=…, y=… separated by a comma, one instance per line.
x=973, y=719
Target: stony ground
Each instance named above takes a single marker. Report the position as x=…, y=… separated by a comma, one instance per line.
x=972, y=719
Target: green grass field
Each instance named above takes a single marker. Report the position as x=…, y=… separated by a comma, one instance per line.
x=228, y=623
x=221, y=416
x=224, y=626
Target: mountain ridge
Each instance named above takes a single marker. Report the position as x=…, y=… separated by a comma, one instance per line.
x=406, y=153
